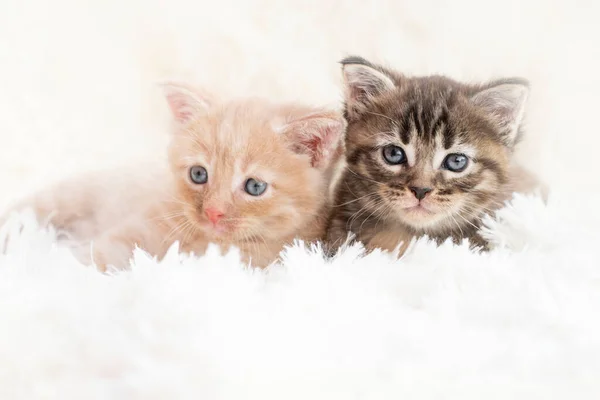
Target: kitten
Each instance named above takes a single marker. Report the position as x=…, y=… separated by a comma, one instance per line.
x=248, y=173
x=424, y=156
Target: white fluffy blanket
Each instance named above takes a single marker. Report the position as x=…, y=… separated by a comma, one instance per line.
x=76, y=92
x=519, y=322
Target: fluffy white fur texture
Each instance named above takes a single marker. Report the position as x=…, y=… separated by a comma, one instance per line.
x=77, y=92
x=521, y=322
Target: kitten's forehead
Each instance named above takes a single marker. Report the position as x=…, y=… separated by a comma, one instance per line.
x=425, y=112
x=238, y=129
x=429, y=114
x=244, y=125
x=235, y=141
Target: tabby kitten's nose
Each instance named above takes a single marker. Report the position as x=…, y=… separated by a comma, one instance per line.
x=420, y=193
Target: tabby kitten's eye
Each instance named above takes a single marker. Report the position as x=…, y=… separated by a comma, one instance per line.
x=198, y=174
x=394, y=155
x=456, y=162
x=254, y=187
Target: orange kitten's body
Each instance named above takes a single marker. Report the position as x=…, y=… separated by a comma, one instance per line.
x=291, y=149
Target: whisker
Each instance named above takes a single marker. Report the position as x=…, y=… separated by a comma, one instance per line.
x=257, y=246
x=395, y=122
x=356, y=199
x=189, y=233
x=362, y=210
x=168, y=216
x=356, y=214
x=457, y=225
x=467, y=221
x=391, y=134
x=388, y=213
x=176, y=230
x=377, y=209
x=363, y=177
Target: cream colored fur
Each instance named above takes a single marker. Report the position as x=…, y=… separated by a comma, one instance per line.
x=104, y=216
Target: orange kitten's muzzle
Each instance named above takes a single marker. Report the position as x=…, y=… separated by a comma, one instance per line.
x=218, y=222
x=214, y=215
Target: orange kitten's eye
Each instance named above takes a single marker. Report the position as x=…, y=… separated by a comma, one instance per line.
x=254, y=187
x=198, y=174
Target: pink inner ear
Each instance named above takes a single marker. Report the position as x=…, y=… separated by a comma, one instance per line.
x=180, y=106
x=323, y=147
x=356, y=93
x=185, y=102
x=319, y=137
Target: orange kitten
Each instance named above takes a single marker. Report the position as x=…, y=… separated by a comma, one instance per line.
x=248, y=173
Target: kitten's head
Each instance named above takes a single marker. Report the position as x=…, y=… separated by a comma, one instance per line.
x=429, y=152
x=250, y=170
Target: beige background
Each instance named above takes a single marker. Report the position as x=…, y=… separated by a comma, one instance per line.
x=77, y=79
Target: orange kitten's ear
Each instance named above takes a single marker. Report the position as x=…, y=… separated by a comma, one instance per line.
x=186, y=102
x=318, y=135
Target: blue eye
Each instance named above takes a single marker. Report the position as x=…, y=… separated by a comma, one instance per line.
x=198, y=174
x=456, y=162
x=254, y=187
x=394, y=155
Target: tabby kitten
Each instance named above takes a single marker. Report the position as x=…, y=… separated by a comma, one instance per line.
x=424, y=156
x=247, y=173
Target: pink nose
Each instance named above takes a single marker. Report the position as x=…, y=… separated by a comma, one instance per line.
x=213, y=215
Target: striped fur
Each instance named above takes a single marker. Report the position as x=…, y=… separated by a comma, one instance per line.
x=429, y=118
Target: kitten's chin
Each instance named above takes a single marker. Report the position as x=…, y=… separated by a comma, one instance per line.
x=228, y=234
x=218, y=233
x=420, y=217
x=419, y=211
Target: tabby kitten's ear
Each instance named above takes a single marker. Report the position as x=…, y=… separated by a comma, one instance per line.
x=504, y=103
x=363, y=82
x=318, y=135
x=186, y=102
